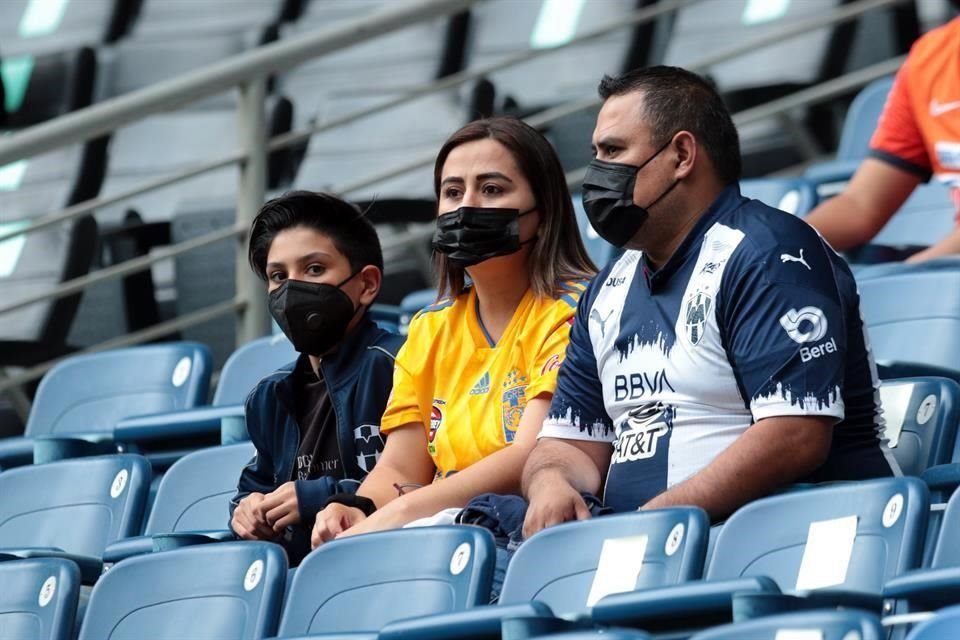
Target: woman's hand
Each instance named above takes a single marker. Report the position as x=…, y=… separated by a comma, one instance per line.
x=392, y=516
x=334, y=520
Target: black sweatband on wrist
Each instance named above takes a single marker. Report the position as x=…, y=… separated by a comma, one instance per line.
x=353, y=500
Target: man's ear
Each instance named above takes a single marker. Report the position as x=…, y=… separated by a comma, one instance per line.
x=686, y=151
x=371, y=278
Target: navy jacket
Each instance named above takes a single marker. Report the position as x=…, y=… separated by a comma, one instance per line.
x=359, y=377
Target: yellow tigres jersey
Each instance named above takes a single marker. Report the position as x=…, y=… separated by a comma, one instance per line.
x=468, y=393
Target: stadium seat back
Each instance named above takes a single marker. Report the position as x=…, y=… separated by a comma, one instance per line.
x=921, y=416
x=847, y=536
x=248, y=365
x=561, y=566
x=229, y=590
x=923, y=220
x=407, y=573
x=185, y=19
x=947, y=551
x=49, y=85
x=30, y=27
x=92, y=392
x=912, y=313
x=792, y=195
x=38, y=600
x=942, y=626
x=861, y=120
x=194, y=494
x=78, y=505
x=821, y=625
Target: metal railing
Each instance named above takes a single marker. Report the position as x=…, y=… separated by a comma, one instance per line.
x=248, y=72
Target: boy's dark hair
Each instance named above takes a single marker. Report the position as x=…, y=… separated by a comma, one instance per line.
x=675, y=99
x=351, y=233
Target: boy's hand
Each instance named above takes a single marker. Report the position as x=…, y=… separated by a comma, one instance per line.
x=249, y=521
x=280, y=508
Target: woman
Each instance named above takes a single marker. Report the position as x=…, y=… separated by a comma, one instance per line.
x=479, y=367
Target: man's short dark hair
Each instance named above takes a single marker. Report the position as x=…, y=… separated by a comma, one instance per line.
x=675, y=99
x=350, y=231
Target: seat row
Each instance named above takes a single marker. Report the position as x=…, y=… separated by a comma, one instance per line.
x=853, y=546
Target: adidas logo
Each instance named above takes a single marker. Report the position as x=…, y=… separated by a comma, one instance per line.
x=482, y=386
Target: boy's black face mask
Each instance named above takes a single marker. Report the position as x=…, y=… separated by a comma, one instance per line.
x=313, y=316
x=470, y=235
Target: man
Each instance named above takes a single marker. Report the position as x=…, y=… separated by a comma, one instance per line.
x=917, y=137
x=722, y=356
x=316, y=423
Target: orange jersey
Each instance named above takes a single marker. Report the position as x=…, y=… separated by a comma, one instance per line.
x=919, y=130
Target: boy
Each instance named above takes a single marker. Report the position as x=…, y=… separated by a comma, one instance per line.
x=315, y=423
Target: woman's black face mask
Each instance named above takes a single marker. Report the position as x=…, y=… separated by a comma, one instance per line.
x=470, y=235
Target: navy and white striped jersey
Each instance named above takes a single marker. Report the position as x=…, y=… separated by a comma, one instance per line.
x=753, y=316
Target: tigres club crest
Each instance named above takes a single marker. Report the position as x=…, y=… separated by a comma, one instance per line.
x=436, y=417
x=695, y=316
x=512, y=403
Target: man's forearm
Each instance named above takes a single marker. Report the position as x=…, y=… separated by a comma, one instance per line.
x=560, y=459
x=759, y=462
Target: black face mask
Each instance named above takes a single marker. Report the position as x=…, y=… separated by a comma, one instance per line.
x=608, y=198
x=471, y=235
x=314, y=316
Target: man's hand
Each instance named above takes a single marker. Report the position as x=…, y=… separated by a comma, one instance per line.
x=280, y=508
x=249, y=520
x=552, y=501
x=333, y=520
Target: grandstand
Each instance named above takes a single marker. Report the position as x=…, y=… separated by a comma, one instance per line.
x=140, y=138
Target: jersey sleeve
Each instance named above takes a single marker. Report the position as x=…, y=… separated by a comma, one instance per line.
x=551, y=353
x=784, y=329
x=577, y=411
x=402, y=405
x=898, y=139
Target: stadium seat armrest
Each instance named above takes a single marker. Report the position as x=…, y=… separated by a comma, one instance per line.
x=928, y=588
x=52, y=448
x=91, y=568
x=170, y=541
x=942, y=477
x=749, y=606
x=479, y=623
x=15, y=451
x=127, y=548
x=697, y=604
x=178, y=424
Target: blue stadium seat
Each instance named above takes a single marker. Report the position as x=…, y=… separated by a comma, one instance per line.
x=828, y=546
x=232, y=590
x=359, y=584
x=38, y=600
x=921, y=416
x=411, y=306
x=562, y=570
x=858, y=127
x=83, y=398
x=945, y=625
x=822, y=625
x=73, y=508
x=793, y=195
x=925, y=218
x=192, y=503
x=938, y=586
x=912, y=313
x=240, y=374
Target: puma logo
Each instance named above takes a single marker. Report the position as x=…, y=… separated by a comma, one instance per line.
x=595, y=315
x=786, y=257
